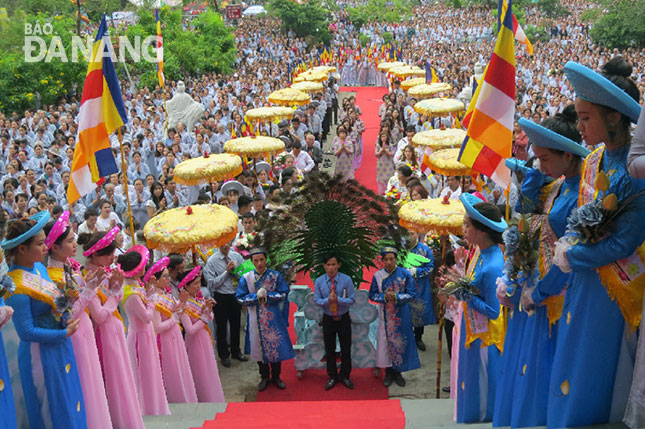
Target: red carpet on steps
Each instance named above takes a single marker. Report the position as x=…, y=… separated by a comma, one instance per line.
x=310, y=415
x=311, y=386
x=369, y=99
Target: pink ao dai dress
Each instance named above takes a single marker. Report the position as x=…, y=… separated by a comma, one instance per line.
x=199, y=345
x=97, y=413
x=142, y=347
x=177, y=376
x=125, y=410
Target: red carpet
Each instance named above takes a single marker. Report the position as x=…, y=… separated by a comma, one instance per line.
x=369, y=99
x=310, y=415
x=311, y=386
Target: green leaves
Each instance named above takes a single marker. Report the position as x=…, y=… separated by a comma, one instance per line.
x=306, y=19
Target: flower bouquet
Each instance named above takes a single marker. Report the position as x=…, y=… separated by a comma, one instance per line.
x=456, y=284
x=590, y=222
x=70, y=291
x=520, y=247
x=244, y=243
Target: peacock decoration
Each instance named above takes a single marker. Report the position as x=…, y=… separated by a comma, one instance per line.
x=328, y=214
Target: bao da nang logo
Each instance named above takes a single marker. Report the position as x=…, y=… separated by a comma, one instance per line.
x=43, y=46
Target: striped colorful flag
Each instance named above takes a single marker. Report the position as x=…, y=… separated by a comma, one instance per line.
x=101, y=113
x=490, y=115
x=431, y=74
x=518, y=32
x=162, y=80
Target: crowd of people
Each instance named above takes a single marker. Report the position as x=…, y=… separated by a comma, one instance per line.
x=521, y=353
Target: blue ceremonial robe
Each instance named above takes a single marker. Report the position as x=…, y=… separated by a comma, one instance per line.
x=267, y=322
x=396, y=337
x=478, y=371
x=538, y=342
x=593, y=363
x=7, y=405
x=48, y=371
x=422, y=308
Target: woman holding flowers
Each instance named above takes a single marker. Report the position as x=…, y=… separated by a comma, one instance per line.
x=481, y=333
x=79, y=291
x=177, y=377
x=125, y=410
x=530, y=338
x=48, y=370
x=141, y=340
x=593, y=363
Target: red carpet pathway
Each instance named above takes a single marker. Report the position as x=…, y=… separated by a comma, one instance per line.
x=310, y=415
x=311, y=386
x=369, y=99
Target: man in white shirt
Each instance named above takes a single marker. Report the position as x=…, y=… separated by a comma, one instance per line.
x=302, y=160
x=453, y=190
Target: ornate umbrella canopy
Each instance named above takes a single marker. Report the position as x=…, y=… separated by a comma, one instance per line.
x=308, y=86
x=253, y=146
x=433, y=106
x=427, y=90
x=390, y=64
x=270, y=113
x=289, y=97
x=181, y=229
x=440, y=139
x=443, y=216
x=410, y=83
x=324, y=69
x=208, y=168
x=405, y=71
x=445, y=162
x=309, y=75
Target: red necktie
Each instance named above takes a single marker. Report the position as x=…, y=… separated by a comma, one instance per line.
x=333, y=307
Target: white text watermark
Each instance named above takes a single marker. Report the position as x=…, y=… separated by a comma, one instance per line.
x=41, y=45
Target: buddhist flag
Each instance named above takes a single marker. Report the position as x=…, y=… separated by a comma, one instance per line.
x=431, y=74
x=489, y=118
x=518, y=32
x=162, y=79
x=101, y=113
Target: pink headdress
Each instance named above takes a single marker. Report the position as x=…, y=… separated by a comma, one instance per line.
x=192, y=275
x=57, y=230
x=145, y=256
x=160, y=265
x=103, y=242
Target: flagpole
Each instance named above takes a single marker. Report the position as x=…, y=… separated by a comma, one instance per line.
x=125, y=179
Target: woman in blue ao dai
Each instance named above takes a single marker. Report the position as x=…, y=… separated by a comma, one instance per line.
x=593, y=361
x=481, y=336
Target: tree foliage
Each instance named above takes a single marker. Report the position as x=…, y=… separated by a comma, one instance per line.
x=620, y=24
x=209, y=47
x=380, y=11
x=307, y=19
x=26, y=84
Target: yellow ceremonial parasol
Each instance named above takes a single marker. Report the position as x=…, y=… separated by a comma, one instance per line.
x=441, y=215
x=440, y=139
x=270, y=113
x=324, y=69
x=389, y=64
x=433, y=106
x=208, y=169
x=445, y=162
x=182, y=229
x=427, y=90
x=409, y=83
x=309, y=75
x=405, y=71
x=308, y=86
x=289, y=97
x=253, y=146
